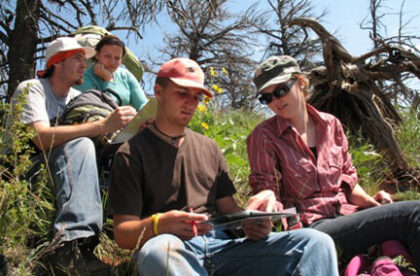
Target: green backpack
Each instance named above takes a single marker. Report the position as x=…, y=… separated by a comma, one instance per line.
x=91, y=105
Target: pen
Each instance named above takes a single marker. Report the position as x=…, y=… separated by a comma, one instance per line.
x=194, y=224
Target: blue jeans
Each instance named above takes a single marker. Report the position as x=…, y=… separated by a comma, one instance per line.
x=299, y=252
x=75, y=176
x=355, y=233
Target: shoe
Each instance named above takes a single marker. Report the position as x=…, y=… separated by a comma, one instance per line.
x=4, y=266
x=74, y=258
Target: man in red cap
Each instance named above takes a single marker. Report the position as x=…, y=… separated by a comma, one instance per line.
x=167, y=180
x=71, y=154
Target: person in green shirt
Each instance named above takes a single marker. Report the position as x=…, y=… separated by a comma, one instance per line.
x=105, y=72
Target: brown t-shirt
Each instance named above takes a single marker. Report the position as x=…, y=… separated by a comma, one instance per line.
x=149, y=175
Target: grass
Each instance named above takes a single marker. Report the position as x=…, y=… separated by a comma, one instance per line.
x=27, y=211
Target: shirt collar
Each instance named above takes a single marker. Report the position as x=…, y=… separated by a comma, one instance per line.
x=319, y=117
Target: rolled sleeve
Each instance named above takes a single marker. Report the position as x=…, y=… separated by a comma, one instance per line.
x=263, y=163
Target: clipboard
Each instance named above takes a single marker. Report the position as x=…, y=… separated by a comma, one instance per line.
x=234, y=220
x=148, y=111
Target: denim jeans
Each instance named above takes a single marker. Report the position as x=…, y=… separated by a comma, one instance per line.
x=355, y=233
x=75, y=176
x=299, y=252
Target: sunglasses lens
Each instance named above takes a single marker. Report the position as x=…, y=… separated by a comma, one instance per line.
x=281, y=91
x=265, y=98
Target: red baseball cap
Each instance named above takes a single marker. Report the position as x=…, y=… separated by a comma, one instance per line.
x=184, y=72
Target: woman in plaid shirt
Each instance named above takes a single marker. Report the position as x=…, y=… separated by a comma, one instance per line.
x=299, y=158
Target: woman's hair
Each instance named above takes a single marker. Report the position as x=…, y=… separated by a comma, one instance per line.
x=110, y=40
x=305, y=81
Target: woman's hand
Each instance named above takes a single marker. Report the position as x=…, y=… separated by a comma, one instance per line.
x=257, y=229
x=263, y=201
x=383, y=197
x=360, y=198
x=102, y=72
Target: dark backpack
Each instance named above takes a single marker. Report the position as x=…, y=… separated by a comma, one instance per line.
x=90, y=106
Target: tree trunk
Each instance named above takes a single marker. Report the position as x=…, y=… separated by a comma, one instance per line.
x=23, y=44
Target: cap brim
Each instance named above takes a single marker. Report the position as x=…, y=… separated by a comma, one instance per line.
x=192, y=84
x=274, y=81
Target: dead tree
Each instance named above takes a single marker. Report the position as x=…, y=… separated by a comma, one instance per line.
x=397, y=91
x=286, y=40
x=26, y=26
x=216, y=38
x=346, y=87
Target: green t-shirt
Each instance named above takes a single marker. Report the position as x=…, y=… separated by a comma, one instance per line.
x=124, y=84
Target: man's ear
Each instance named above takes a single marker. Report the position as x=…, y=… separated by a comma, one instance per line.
x=158, y=90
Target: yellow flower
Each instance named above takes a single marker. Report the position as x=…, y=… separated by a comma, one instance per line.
x=224, y=71
x=205, y=125
x=215, y=87
x=212, y=72
x=219, y=90
x=206, y=99
x=202, y=108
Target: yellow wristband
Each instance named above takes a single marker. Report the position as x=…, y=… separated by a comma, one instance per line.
x=155, y=219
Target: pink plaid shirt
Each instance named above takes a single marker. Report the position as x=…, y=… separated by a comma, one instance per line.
x=280, y=161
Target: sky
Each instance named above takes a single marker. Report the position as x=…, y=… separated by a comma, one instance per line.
x=343, y=19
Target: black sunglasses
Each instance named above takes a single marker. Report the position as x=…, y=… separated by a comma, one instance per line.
x=280, y=91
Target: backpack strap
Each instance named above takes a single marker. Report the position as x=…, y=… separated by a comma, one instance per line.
x=110, y=91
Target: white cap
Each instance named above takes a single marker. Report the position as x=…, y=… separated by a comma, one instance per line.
x=63, y=44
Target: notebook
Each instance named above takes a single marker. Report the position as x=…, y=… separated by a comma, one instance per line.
x=234, y=220
x=129, y=130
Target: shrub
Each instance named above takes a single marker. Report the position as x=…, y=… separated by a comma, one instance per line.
x=26, y=209
x=230, y=130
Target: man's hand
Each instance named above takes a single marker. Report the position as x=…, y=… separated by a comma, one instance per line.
x=180, y=223
x=263, y=201
x=119, y=118
x=257, y=229
x=102, y=72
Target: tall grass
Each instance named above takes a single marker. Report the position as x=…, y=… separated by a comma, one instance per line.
x=26, y=209
x=230, y=130
x=408, y=135
x=373, y=169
